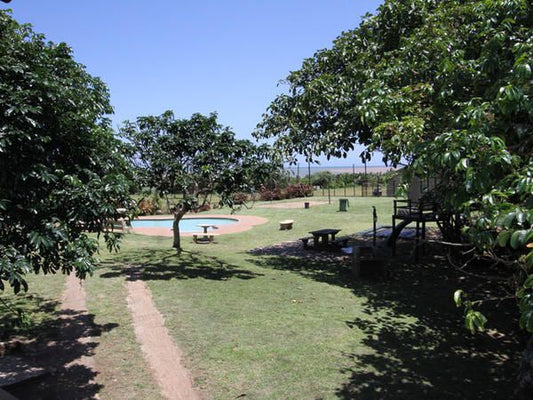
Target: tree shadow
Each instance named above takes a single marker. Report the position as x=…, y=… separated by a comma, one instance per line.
x=167, y=265
x=53, y=354
x=323, y=266
x=31, y=304
x=332, y=271
x=421, y=349
x=414, y=342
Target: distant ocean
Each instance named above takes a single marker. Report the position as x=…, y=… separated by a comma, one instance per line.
x=303, y=170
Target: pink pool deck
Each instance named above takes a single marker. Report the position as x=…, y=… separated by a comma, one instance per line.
x=244, y=223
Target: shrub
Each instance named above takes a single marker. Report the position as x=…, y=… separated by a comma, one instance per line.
x=146, y=207
x=205, y=207
x=240, y=198
x=270, y=194
x=299, y=190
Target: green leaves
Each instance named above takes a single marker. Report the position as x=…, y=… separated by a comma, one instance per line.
x=518, y=238
x=458, y=297
x=61, y=172
x=195, y=157
x=503, y=238
x=526, y=320
x=445, y=85
x=511, y=99
x=525, y=297
x=474, y=320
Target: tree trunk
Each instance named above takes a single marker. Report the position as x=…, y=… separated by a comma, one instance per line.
x=524, y=388
x=168, y=203
x=178, y=215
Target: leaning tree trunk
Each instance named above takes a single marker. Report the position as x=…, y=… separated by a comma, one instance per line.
x=524, y=388
x=178, y=215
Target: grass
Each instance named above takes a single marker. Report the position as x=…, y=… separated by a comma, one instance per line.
x=31, y=314
x=271, y=327
x=123, y=373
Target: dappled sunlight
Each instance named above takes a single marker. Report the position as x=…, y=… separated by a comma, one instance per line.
x=421, y=349
x=58, y=352
x=417, y=347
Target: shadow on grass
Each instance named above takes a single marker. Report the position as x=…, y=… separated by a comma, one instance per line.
x=31, y=305
x=149, y=265
x=419, y=348
x=334, y=271
x=55, y=354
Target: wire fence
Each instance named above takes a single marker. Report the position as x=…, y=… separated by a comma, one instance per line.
x=346, y=181
x=378, y=190
x=302, y=171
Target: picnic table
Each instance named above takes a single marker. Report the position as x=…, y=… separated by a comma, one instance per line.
x=322, y=237
x=206, y=237
x=205, y=227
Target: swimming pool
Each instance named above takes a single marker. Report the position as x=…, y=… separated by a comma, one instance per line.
x=186, y=224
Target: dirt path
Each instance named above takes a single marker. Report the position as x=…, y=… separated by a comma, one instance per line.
x=59, y=366
x=73, y=302
x=157, y=346
x=75, y=337
x=292, y=204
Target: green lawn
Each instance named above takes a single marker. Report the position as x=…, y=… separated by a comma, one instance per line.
x=31, y=314
x=269, y=327
x=282, y=328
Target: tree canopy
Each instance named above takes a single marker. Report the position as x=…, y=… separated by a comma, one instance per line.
x=447, y=86
x=194, y=158
x=60, y=172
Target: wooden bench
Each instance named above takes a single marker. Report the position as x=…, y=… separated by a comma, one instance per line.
x=121, y=225
x=305, y=241
x=286, y=224
x=204, y=237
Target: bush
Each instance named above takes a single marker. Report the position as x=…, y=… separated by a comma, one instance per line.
x=322, y=178
x=205, y=207
x=240, y=198
x=146, y=207
x=299, y=190
x=270, y=194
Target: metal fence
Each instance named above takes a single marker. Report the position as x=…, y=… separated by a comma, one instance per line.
x=358, y=191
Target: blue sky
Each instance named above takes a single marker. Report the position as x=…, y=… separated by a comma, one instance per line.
x=224, y=56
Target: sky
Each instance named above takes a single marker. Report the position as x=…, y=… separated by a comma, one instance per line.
x=223, y=56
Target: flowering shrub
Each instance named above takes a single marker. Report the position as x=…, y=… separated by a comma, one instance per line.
x=146, y=207
x=270, y=194
x=299, y=190
x=240, y=198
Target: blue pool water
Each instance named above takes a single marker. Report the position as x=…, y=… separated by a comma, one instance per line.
x=186, y=225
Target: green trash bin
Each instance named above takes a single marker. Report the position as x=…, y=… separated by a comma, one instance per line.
x=343, y=204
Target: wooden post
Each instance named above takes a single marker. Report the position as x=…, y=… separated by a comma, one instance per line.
x=393, y=235
x=375, y=220
x=417, y=240
x=353, y=178
x=356, y=262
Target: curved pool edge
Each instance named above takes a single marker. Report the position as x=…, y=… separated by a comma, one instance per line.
x=244, y=223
